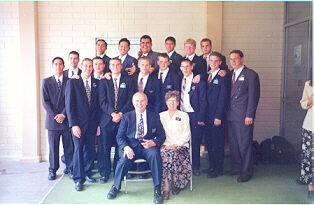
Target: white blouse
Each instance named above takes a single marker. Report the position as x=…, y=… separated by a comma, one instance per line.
x=307, y=92
x=177, y=128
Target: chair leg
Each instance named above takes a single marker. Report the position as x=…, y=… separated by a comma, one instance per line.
x=125, y=188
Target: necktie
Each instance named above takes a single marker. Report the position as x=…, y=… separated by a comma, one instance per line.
x=210, y=78
x=182, y=93
x=72, y=73
x=140, y=85
x=115, y=93
x=140, y=129
x=59, y=84
x=160, y=77
x=233, y=78
x=87, y=88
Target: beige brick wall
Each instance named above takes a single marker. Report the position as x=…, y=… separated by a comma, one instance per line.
x=66, y=26
x=10, y=141
x=256, y=28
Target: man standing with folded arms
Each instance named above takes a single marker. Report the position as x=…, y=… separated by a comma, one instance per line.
x=245, y=93
x=82, y=107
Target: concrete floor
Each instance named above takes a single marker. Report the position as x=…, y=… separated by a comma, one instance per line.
x=25, y=183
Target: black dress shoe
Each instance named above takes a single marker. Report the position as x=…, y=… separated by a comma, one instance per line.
x=157, y=197
x=214, y=174
x=103, y=179
x=112, y=193
x=52, y=175
x=90, y=179
x=70, y=174
x=232, y=172
x=78, y=186
x=66, y=171
x=244, y=178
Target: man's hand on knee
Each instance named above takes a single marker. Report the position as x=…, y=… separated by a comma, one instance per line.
x=148, y=143
x=128, y=152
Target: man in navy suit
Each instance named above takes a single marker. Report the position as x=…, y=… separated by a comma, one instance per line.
x=169, y=79
x=98, y=65
x=149, y=84
x=115, y=99
x=129, y=63
x=140, y=135
x=82, y=107
x=217, y=97
x=175, y=58
x=146, y=50
x=56, y=122
x=206, y=47
x=193, y=101
x=74, y=59
x=245, y=93
x=101, y=47
x=199, y=64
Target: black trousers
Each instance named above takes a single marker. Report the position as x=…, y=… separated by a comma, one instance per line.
x=54, y=142
x=240, y=139
x=151, y=155
x=106, y=139
x=196, y=132
x=215, y=141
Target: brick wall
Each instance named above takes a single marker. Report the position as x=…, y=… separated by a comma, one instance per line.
x=10, y=141
x=256, y=28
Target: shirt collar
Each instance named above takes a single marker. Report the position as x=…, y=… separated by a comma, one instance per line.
x=60, y=78
x=191, y=57
x=84, y=79
x=239, y=70
x=123, y=58
x=170, y=53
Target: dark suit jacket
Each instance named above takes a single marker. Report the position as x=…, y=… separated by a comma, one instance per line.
x=79, y=112
x=172, y=82
x=217, y=97
x=66, y=72
x=175, y=62
x=128, y=63
x=106, y=99
x=223, y=65
x=200, y=66
x=153, y=57
x=244, y=96
x=127, y=130
x=54, y=102
x=106, y=60
x=152, y=91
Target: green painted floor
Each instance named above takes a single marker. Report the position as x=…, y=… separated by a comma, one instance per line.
x=271, y=184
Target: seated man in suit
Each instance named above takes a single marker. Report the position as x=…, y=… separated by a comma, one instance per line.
x=101, y=47
x=129, y=63
x=168, y=78
x=193, y=101
x=217, y=97
x=175, y=58
x=115, y=99
x=56, y=122
x=140, y=135
x=149, y=84
x=74, y=59
x=199, y=64
x=244, y=97
x=146, y=50
x=82, y=107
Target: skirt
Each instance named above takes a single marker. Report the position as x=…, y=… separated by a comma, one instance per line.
x=176, y=166
x=307, y=157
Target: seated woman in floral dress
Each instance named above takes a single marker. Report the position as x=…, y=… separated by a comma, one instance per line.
x=175, y=150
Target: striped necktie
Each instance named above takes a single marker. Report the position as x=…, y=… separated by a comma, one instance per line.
x=87, y=88
x=182, y=93
x=115, y=93
x=140, y=129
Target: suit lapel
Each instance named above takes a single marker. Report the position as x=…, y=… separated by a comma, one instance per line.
x=83, y=90
x=132, y=120
x=149, y=124
x=148, y=84
x=93, y=91
x=125, y=62
x=234, y=88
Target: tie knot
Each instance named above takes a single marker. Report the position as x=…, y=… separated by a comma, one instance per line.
x=115, y=79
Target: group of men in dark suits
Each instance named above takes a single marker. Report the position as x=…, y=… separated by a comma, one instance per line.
x=96, y=105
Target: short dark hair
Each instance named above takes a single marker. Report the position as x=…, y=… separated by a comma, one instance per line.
x=217, y=54
x=124, y=40
x=102, y=41
x=170, y=38
x=56, y=58
x=206, y=40
x=87, y=59
x=146, y=37
x=172, y=93
x=187, y=60
x=75, y=53
x=238, y=52
x=99, y=58
x=162, y=55
x=114, y=59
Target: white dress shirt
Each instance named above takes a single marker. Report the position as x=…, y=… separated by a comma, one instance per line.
x=237, y=73
x=187, y=107
x=59, y=78
x=191, y=57
x=170, y=54
x=75, y=72
x=89, y=82
x=138, y=117
x=164, y=74
x=97, y=76
x=144, y=80
x=122, y=58
x=177, y=128
x=118, y=79
x=213, y=74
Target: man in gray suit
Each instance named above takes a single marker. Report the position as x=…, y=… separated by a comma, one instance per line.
x=245, y=93
x=146, y=50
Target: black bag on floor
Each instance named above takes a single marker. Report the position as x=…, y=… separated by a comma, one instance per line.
x=284, y=152
x=266, y=151
x=256, y=152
